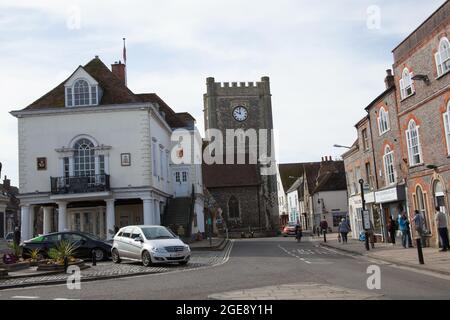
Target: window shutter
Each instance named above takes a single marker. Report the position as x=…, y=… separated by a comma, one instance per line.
x=409, y=145
x=402, y=89
x=447, y=131
x=437, y=58
x=411, y=81
x=418, y=145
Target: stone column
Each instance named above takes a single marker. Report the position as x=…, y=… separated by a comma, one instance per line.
x=149, y=218
x=62, y=216
x=101, y=222
x=157, y=213
x=25, y=222
x=110, y=218
x=94, y=222
x=48, y=213
x=32, y=216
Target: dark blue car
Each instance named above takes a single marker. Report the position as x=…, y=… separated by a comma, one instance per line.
x=87, y=245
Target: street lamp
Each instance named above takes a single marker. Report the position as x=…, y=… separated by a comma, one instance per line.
x=339, y=146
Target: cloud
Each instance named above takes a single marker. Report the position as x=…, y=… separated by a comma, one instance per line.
x=325, y=64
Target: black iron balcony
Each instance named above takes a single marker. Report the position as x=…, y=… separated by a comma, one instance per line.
x=85, y=184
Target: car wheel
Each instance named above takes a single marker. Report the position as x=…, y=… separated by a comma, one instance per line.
x=115, y=256
x=183, y=263
x=146, y=259
x=99, y=254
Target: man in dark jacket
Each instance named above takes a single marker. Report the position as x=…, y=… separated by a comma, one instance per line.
x=17, y=236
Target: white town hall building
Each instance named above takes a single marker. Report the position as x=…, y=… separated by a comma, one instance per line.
x=94, y=156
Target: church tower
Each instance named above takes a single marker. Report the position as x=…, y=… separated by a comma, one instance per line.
x=247, y=197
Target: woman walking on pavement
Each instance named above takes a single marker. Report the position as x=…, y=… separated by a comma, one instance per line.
x=344, y=229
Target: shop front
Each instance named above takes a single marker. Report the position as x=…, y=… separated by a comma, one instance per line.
x=390, y=203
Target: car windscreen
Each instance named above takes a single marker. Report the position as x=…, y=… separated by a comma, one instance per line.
x=155, y=233
x=92, y=236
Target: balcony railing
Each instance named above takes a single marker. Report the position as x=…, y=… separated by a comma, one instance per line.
x=86, y=184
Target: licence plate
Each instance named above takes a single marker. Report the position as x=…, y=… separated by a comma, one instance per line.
x=178, y=254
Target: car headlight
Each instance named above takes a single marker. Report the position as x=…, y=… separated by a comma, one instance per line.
x=186, y=248
x=158, y=250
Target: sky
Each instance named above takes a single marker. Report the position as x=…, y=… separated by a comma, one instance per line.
x=326, y=59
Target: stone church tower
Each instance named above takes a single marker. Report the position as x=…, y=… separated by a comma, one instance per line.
x=247, y=197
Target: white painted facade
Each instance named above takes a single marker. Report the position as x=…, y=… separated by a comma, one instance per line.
x=293, y=206
x=282, y=197
x=331, y=206
x=138, y=189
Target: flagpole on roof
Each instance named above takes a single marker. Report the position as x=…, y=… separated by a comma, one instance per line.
x=125, y=59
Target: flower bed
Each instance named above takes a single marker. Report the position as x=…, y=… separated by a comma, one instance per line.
x=16, y=266
x=52, y=266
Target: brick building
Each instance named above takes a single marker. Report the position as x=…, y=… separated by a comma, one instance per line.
x=359, y=164
x=388, y=166
x=405, y=138
x=9, y=208
x=422, y=73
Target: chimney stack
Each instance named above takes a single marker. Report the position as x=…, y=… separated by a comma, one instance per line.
x=389, y=80
x=6, y=183
x=118, y=69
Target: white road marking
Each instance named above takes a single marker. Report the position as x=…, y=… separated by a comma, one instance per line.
x=294, y=255
x=24, y=297
x=65, y=299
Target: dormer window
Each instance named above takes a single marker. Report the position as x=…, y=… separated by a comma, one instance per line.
x=81, y=93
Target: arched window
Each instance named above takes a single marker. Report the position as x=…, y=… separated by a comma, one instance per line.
x=383, y=121
x=81, y=94
x=439, y=196
x=413, y=140
x=442, y=57
x=406, y=84
x=389, y=169
x=233, y=208
x=447, y=126
x=420, y=203
x=84, y=157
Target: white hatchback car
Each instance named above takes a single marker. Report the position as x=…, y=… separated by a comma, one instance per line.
x=149, y=244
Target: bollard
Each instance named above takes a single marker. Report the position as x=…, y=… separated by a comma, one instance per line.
x=94, y=258
x=419, y=251
x=66, y=264
x=367, y=241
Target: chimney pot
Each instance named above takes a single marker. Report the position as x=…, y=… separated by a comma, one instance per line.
x=389, y=80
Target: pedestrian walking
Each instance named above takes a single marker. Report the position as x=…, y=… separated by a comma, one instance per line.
x=324, y=226
x=298, y=232
x=419, y=226
x=344, y=229
x=392, y=228
x=371, y=235
x=408, y=231
x=17, y=236
x=405, y=229
x=442, y=223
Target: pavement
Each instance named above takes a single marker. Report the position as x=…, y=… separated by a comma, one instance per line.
x=209, y=244
x=271, y=268
x=435, y=261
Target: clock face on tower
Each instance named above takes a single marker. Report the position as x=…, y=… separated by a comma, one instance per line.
x=240, y=113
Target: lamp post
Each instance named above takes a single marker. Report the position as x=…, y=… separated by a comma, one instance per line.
x=361, y=182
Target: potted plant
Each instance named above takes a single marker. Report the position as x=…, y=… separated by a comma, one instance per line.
x=35, y=256
x=63, y=251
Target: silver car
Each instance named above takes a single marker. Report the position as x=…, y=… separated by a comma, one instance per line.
x=149, y=244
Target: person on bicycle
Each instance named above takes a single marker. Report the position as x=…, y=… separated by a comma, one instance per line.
x=298, y=232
